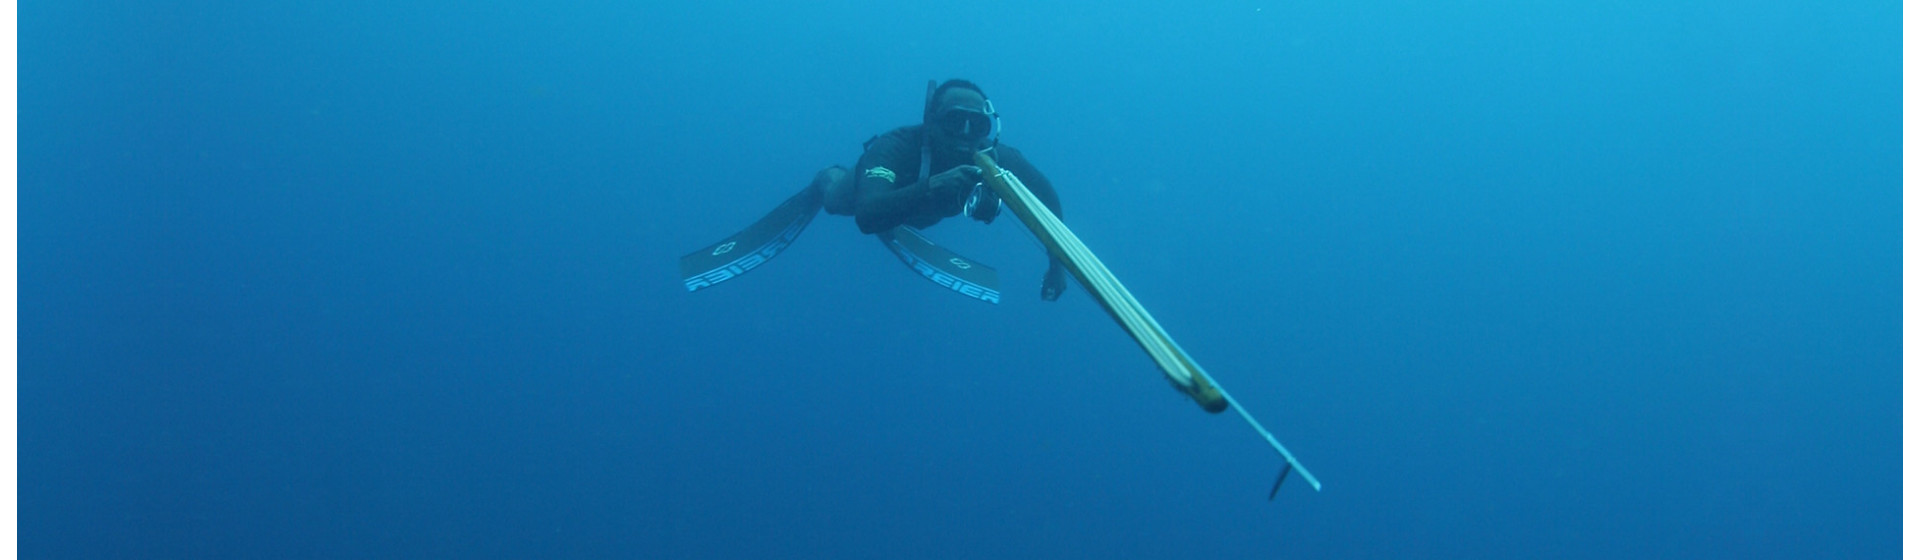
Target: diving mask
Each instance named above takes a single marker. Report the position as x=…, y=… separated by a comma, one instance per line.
x=968, y=123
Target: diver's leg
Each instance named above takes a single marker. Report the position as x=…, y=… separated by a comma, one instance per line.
x=836, y=189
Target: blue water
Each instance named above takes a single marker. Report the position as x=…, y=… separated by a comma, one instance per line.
x=366, y=279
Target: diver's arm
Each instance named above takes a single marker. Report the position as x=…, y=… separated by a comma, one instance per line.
x=1012, y=160
x=1056, y=278
x=880, y=207
x=880, y=203
x=1040, y=186
x=885, y=209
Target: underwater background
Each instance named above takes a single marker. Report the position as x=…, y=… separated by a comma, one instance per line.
x=1514, y=279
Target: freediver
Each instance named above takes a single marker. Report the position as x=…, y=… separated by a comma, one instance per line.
x=887, y=190
x=918, y=175
x=909, y=178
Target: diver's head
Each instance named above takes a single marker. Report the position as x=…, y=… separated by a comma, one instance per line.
x=960, y=119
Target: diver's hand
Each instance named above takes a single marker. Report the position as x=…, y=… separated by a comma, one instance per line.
x=953, y=184
x=1055, y=282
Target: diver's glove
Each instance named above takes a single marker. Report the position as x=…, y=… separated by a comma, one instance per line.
x=953, y=184
x=1055, y=282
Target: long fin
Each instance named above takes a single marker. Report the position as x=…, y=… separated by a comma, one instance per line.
x=941, y=266
x=753, y=246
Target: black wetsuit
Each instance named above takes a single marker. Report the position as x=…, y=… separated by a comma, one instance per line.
x=890, y=191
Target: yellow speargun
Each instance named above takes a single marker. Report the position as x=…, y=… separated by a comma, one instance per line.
x=1179, y=367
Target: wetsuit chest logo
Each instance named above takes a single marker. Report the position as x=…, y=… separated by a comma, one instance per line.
x=880, y=172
